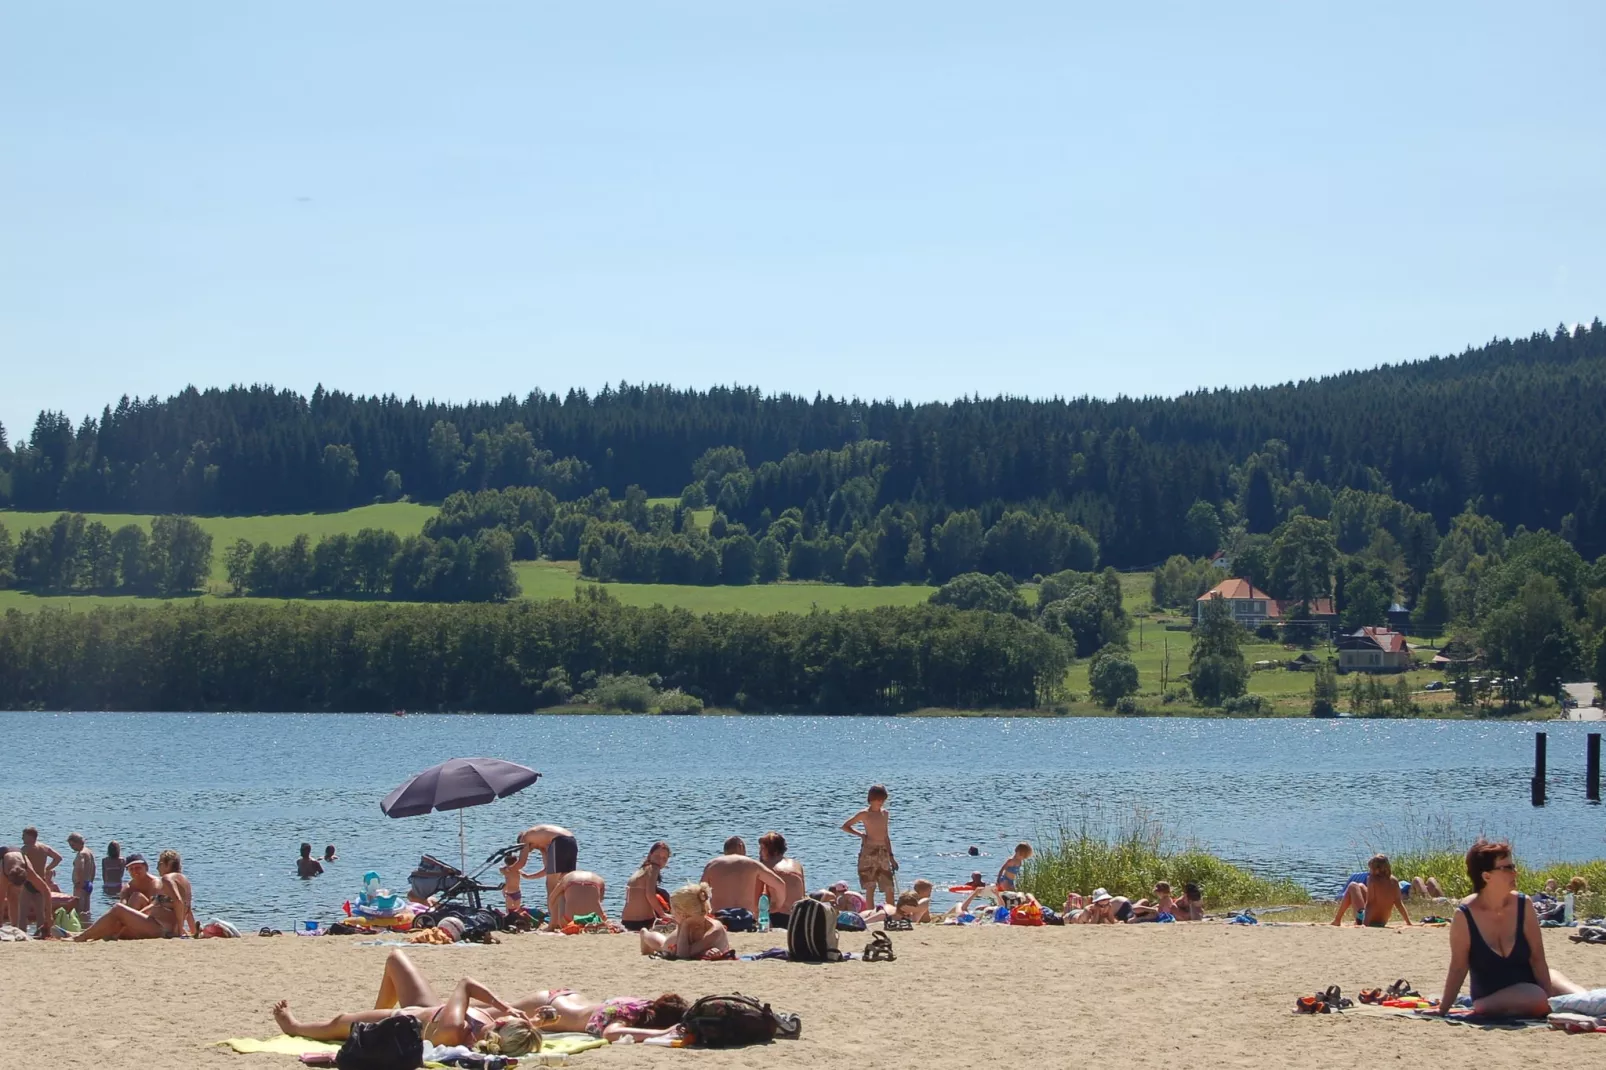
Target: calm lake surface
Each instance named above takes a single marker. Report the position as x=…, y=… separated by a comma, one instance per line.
x=237, y=793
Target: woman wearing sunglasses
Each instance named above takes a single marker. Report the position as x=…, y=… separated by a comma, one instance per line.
x=1495, y=937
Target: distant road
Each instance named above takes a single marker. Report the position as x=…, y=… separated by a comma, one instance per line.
x=1584, y=696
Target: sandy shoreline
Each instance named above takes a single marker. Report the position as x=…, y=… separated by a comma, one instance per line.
x=1150, y=996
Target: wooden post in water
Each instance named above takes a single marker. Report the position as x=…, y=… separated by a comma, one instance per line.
x=1592, y=768
x=1536, y=787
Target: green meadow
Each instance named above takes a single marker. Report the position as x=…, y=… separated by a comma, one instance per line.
x=404, y=518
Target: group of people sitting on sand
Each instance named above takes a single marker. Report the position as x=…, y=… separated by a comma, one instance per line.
x=147, y=905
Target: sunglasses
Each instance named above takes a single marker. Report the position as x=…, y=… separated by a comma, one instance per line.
x=1507, y=867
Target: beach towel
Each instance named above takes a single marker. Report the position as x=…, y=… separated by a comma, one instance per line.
x=1477, y=1021
x=1592, y=1003
x=280, y=1045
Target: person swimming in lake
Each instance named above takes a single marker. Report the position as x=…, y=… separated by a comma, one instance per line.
x=1495, y=939
x=643, y=909
x=307, y=866
x=697, y=933
x=169, y=911
x=1375, y=901
x=472, y=1016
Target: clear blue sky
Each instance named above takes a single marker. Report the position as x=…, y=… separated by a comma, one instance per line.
x=914, y=200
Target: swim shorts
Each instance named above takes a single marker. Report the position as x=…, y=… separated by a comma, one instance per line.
x=637, y=926
x=565, y=854
x=875, y=868
x=1123, y=912
x=514, y=900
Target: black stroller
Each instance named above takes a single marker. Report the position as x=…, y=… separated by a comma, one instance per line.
x=452, y=893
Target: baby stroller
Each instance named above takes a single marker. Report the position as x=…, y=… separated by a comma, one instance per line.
x=452, y=893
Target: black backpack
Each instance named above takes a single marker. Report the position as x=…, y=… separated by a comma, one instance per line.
x=811, y=932
x=736, y=1020
x=394, y=1043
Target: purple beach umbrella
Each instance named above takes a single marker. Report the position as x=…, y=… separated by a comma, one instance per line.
x=455, y=784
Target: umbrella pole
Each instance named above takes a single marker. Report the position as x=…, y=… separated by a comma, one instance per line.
x=462, y=847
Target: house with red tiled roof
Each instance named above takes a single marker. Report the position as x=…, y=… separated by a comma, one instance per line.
x=1253, y=607
x=1372, y=650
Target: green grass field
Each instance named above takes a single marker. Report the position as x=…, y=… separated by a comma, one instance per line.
x=404, y=518
x=557, y=579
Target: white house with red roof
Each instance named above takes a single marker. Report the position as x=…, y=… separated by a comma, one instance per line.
x=1372, y=650
x=1253, y=607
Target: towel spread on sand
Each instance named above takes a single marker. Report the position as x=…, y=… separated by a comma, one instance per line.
x=1477, y=1020
x=279, y=1045
x=564, y=1043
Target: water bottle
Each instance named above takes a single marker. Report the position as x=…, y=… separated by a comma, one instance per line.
x=1567, y=909
x=764, y=913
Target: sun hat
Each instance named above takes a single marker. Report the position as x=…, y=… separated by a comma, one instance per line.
x=840, y=886
x=1100, y=895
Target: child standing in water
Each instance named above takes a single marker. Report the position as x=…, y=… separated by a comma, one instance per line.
x=876, y=861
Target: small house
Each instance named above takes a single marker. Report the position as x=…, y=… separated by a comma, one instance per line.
x=1372, y=650
x=1399, y=619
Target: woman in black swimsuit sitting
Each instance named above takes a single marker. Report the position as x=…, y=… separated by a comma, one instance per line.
x=1495, y=937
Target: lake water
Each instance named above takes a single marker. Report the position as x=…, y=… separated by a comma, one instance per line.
x=237, y=793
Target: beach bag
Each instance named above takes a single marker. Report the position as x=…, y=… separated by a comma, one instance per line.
x=737, y=919
x=811, y=933
x=1027, y=914
x=735, y=1021
x=848, y=921
x=394, y=1043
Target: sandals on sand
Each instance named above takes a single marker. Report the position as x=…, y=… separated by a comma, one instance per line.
x=1323, y=1002
x=268, y=930
x=879, y=949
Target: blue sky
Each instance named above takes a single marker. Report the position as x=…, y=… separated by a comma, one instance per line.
x=911, y=200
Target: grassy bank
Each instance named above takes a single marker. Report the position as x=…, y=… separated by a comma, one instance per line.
x=557, y=579
x=1128, y=856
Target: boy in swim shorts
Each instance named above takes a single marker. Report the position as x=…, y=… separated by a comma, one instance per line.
x=876, y=861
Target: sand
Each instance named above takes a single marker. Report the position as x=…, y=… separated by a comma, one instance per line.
x=1169, y=996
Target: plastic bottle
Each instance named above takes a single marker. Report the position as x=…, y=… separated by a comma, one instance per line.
x=1567, y=909
x=553, y=1058
x=764, y=913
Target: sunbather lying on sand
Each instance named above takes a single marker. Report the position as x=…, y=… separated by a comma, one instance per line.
x=563, y=1011
x=697, y=933
x=472, y=1015
x=910, y=905
x=1162, y=903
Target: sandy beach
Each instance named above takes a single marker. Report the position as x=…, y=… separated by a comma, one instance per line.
x=1151, y=996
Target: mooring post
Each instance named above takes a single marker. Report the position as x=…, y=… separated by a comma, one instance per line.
x=1592, y=767
x=1537, y=785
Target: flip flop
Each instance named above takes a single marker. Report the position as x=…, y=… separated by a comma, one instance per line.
x=1310, y=1005
x=270, y=931
x=1371, y=995
x=1401, y=989
x=1334, y=998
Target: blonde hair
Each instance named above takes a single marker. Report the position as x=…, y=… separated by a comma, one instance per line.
x=691, y=899
x=511, y=1037
x=909, y=899
x=169, y=862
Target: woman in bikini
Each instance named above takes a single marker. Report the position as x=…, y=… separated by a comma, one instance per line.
x=642, y=909
x=472, y=1015
x=1375, y=901
x=1495, y=938
x=697, y=933
x=168, y=913
x=578, y=892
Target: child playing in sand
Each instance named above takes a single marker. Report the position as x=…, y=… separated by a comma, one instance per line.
x=876, y=861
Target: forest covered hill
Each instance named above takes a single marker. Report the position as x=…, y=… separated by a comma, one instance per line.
x=1517, y=427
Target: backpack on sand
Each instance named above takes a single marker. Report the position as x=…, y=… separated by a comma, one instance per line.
x=736, y=1020
x=811, y=933
x=394, y=1043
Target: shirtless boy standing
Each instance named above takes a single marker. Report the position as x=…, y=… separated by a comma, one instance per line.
x=560, y=854
x=876, y=861
x=43, y=857
x=772, y=852
x=83, y=874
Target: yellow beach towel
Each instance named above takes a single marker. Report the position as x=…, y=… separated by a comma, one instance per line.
x=279, y=1045
x=564, y=1043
